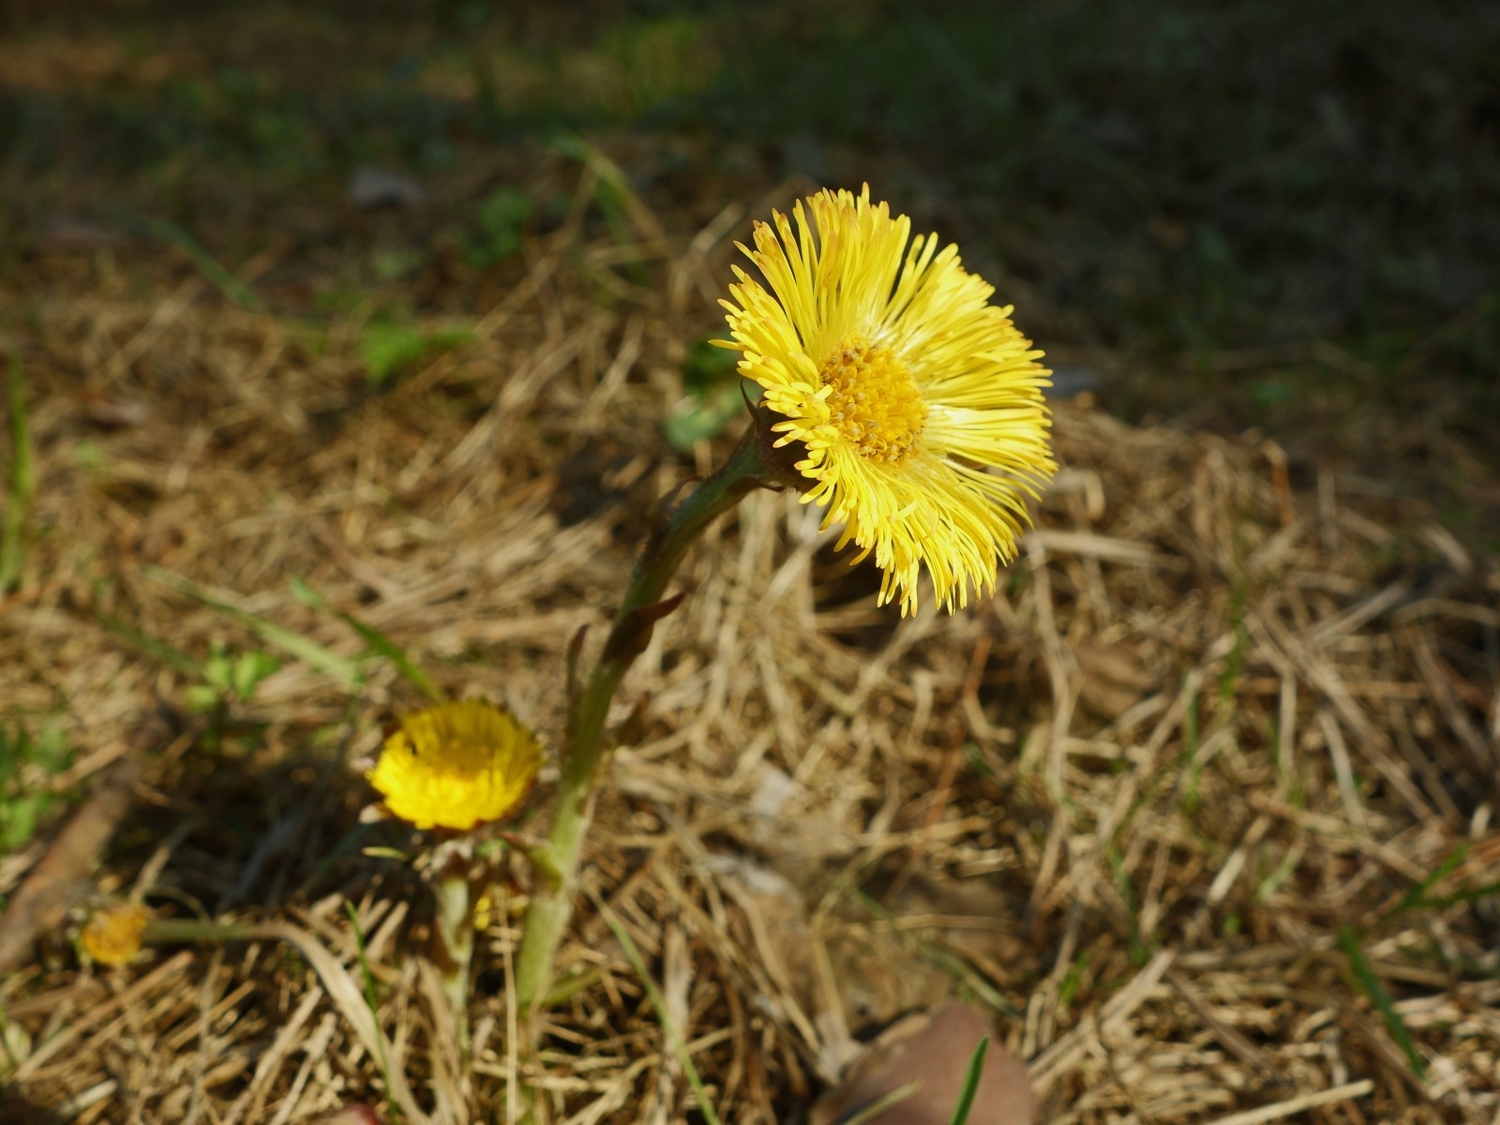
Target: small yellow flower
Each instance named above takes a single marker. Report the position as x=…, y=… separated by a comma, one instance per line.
x=456, y=765
x=484, y=912
x=918, y=403
x=112, y=935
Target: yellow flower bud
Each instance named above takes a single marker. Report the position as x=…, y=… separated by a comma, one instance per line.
x=112, y=935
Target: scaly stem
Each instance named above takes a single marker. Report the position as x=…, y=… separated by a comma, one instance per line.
x=455, y=929
x=552, y=898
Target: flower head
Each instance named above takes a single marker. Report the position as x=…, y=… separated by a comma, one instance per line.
x=456, y=765
x=918, y=404
x=112, y=935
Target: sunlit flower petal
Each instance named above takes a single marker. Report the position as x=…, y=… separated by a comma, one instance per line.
x=456, y=765
x=918, y=403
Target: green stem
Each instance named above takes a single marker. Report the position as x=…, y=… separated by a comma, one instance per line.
x=455, y=929
x=170, y=931
x=552, y=898
x=22, y=480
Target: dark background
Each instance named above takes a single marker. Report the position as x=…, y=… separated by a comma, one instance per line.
x=1216, y=215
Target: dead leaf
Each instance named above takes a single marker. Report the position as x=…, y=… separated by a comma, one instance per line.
x=932, y=1049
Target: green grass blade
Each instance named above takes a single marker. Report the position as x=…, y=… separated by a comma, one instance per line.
x=971, y=1083
x=22, y=479
x=639, y=965
x=1416, y=898
x=369, y=981
x=154, y=647
x=1349, y=943
x=314, y=655
x=377, y=641
x=1473, y=894
x=953, y=965
x=206, y=264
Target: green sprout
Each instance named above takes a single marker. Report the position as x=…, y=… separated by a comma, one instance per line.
x=27, y=763
x=229, y=676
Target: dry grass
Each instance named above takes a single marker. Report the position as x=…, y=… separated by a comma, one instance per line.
x=1213, y=723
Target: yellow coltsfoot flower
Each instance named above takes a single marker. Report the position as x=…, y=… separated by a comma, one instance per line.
x=456, y=765
x=113, y=933
x=918, y=404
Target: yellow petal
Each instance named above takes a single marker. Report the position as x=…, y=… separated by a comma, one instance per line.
x=456, y=765
x=919, y=402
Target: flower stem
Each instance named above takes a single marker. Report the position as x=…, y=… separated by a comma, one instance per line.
x=552, y=898
x=170, y=931
x=455, y=929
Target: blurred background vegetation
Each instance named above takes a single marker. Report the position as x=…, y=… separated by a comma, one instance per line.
x=1246, y=213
